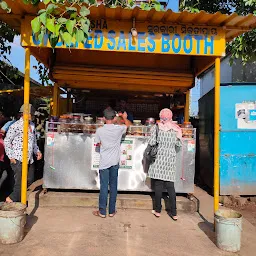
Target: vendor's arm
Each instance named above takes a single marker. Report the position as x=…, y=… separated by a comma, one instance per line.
x=126, y=121
x=11, y=134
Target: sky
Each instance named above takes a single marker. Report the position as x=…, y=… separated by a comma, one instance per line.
x=17, y=58
x=173, y=5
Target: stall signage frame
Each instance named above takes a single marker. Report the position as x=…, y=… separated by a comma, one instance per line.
x=109, y=35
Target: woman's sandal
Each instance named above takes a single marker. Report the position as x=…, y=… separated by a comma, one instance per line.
x=175, y=218
x=157, y=214
x=112, y=214
x=98, y=214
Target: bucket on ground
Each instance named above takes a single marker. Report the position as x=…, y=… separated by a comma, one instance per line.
x=12, y=222
x=228, y=230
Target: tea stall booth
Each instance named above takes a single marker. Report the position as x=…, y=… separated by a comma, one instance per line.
x=168, y=52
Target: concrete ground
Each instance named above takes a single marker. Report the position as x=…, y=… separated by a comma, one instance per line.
x=75, y=231
x=248, y=247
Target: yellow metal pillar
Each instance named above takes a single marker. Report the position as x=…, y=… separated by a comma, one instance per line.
x=55, y=99
x=186, y=114
x=217, y=135
x=25, y=128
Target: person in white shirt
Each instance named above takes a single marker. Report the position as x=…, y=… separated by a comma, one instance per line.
x=109, y=138
x=13, y=143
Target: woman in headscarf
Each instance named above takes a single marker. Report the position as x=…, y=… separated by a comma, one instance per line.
x=163, y=170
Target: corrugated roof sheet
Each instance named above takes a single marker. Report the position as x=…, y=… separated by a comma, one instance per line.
x=43, y=91
x=235, y=24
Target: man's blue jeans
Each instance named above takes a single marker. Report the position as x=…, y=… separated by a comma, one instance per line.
x=108, y=177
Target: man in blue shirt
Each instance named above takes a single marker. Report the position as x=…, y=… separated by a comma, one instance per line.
x=5, y=128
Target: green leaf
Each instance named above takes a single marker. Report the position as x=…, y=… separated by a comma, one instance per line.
x=47, y=1
x=142, y=5
x=41, y=11
x=36, y=24
x=67, y=38
x=84, y=11
x=85, y=25
x=41, y=36
x=4, y=5
x=73, y=15
x=35, y=2
x=70, y=26
x=79, y=36
x=57, y=29
x=53, y=40
x=43, y=18
x=158, y=7
x=51, y=7
x=71, y=9
x=62, y=20
x=50, y=25
x=85, y=28
x=131, y=3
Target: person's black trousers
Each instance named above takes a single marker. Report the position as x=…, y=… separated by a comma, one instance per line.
x=159, y=187
x=17, y=170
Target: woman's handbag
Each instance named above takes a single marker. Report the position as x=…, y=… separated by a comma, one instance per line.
x=151, y=151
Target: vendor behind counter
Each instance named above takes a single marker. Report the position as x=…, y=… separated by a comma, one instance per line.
x=124, y=108
x=138, y=106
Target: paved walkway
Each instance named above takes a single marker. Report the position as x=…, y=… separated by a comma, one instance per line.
x=64, y=231
x=75, y=231
x=206, y=212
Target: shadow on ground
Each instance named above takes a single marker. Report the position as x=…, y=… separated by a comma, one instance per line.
x=32, y=218
x=206, y=226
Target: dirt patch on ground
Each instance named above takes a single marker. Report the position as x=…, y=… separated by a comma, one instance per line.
x=248, y=211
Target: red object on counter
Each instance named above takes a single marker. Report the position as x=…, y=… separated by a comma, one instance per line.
x=1, y=148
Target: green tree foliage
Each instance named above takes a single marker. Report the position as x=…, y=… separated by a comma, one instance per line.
x=6, y=35
x=67, y=20
x=243, y=46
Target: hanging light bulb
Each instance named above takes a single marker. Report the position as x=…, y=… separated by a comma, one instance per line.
x=134, y=30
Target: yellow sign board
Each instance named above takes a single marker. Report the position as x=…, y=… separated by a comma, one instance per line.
x=151, y=38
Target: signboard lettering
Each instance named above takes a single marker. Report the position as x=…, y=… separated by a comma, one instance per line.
x=164, y=39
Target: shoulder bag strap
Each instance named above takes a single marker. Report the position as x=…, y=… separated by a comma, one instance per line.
x=157, y=130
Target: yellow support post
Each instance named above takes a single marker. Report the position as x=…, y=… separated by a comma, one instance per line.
x=217, y=135
x=25, y=128
x=55, y=99
x=186, y=115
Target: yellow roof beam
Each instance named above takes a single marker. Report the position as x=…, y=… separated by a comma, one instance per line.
x=122, y=87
